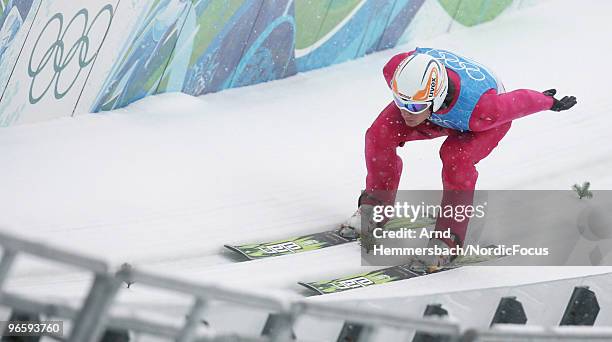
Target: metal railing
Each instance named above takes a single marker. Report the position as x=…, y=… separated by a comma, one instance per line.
x=91, y=319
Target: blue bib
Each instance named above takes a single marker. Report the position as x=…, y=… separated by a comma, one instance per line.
x=475, y=81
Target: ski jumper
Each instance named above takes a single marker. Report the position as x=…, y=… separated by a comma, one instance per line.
x=478, y=117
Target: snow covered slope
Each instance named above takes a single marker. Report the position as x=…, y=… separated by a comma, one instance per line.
x=164, y=183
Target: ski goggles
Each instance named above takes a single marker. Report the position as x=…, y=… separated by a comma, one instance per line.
x=411, y=106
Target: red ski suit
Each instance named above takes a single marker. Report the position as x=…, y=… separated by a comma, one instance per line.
x=460, y=152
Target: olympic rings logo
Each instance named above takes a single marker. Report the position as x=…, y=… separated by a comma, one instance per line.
x=58, y=56
x=472, y=70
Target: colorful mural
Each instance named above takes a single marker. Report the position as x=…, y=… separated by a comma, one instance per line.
x=268, y=54
x=474, y=12
x=15, y=19
x=204, y=46
x=353, y=28
x=226, y=44
x=143, y=60
x=12, y=16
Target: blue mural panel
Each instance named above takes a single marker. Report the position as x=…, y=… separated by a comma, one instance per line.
x=12, y=19
x=380, y=11
x=269, y=51
x=225, y=44
x=145, y=56
x=346, y=42
x=376, y=25
x=402, y=15
x=211, y=69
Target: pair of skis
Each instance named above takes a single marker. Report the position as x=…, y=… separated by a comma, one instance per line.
x=326, y=239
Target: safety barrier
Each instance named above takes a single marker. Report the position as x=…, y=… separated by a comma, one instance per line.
x=90, y=320
x=93, y=317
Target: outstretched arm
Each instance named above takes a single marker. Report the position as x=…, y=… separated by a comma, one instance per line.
x=494, y=109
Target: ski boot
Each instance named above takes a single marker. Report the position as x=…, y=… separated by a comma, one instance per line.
x=434, y=263
x=361, y=224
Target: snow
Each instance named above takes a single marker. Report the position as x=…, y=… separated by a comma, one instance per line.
x=165, y=182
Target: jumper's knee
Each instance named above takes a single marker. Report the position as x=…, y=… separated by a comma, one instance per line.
x=458, y=170
x=380, y=136
x=459, y=177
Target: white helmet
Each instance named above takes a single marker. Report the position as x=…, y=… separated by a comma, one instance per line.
x=421, y=78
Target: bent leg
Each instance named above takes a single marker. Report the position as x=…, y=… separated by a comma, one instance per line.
x=387, y=133
x=460, y=153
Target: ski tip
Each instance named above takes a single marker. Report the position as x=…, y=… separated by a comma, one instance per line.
x=311, y=288
x=231, y=248
x=238, y=251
